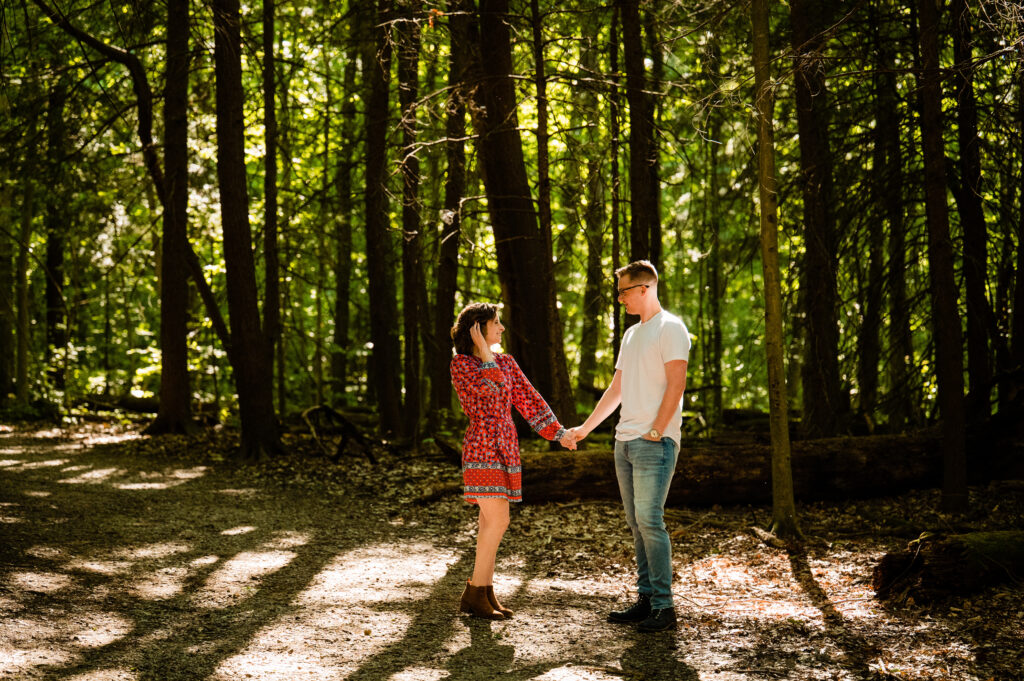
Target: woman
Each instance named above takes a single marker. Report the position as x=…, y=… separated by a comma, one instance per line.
x=488, y=385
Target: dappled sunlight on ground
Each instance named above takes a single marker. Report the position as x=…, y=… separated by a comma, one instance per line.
x=146, y=566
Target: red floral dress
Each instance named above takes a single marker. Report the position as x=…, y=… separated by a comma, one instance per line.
x=491, y=467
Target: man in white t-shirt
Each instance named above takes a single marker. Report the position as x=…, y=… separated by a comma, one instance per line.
x=650, y=377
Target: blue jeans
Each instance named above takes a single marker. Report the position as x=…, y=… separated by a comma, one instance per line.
x=644, y=470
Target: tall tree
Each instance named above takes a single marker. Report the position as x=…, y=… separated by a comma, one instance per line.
x=945, y=317
x=271, y=255
x=524, y=266
x=645, y=217
x=250, y=360
x=414, y=304
x=56, y=231
x=822, y=404
x=175, y=413
x=386, y=354
x=8, y=315
x=462, y=26
x=784, y=521
x=972, y=216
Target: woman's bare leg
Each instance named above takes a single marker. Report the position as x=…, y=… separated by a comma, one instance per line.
x=493, y=523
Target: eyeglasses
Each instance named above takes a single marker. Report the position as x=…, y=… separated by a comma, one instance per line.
x=622, y=291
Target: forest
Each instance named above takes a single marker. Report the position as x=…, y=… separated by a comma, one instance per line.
x=234, y=238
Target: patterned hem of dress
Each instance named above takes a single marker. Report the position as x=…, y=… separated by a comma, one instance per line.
x=487, y=491
x=491, y=466
x=472, y=497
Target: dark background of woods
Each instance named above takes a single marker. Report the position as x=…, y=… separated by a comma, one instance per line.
x=289, y=201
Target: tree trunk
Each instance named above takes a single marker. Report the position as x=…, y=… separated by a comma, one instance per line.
x=972, y=217
x=594, y=224
x=945, y=317
x=8, y=315
x=56, y=230
x=643, y=154
x=414, y=287
x=784, y=522
x=451, y=217
x=932, y=568
x=524, y=266
x=615, y=180
x=561, y=396
x=386, y=353
x=822, y=402
x=712, y=354
x=346, y=212
x=28, y=204
x=1017, y=329
x=253, y=379
x=271, y=257
x=175, y=414
x=740, y=472
x=901, y=403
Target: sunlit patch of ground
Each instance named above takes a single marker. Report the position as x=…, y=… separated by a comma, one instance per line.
x=161, y=564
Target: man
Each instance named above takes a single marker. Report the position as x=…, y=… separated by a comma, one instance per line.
x=650, y=377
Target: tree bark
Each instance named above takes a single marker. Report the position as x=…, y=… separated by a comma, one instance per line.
x=414, y=300
x=784, y=521
x=56, y=229
x=645, y=219
x=346, y=213
x=386, y=353
x=822, y=403
x=972, y=217
x=720, y=472
x=253, y=379
x=451, y=217
x=271, y=255
x=712, y=354
x=524, y=266
x=8, y=315
x=175, y=413
x=945, y=316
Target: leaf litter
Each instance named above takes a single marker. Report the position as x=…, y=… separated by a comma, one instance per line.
x=159, y=558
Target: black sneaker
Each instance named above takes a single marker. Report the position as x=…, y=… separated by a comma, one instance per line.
x=661, y=619
x=637, y=612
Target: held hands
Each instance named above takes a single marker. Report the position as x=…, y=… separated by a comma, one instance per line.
x=568, y=440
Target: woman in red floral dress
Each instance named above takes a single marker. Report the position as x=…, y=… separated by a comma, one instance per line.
x=489, y=386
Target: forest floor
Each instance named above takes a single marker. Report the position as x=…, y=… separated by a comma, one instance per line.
x=125, y=557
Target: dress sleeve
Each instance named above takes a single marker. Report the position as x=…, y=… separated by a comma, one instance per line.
x=531, y=405
x=474, y=382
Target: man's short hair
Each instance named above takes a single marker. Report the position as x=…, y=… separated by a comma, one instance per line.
x=639, y=271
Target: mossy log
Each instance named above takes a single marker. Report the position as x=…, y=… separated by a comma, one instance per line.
x=932, y=568
x=740, y=472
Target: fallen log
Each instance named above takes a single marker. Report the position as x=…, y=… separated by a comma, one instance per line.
x=740, y=472
x=934, y=567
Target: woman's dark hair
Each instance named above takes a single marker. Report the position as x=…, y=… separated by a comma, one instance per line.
x=470, y=315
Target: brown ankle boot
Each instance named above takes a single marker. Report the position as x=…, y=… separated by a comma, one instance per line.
x=493, y=600
x=474, y=601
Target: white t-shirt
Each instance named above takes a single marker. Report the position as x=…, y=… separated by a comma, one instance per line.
x=646, y=347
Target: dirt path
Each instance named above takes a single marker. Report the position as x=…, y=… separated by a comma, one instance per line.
x=128, y=558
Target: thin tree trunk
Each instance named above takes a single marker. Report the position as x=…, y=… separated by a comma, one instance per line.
x=413, y=284
x=24, y=328
x=972, y=218
x=615, y=133
x=8, y=315
x=784, y=521
x=594, y=224
x=945, y=317
x=174, y=415
x=644, y=213
x=822, y=403
x=524, y=266
x=713, y=353
x=1017, y=323
x=343, y=232
x=451, y=218
x=251, y=363
x=56, y=230
x=386, y=354
x=271, y=256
